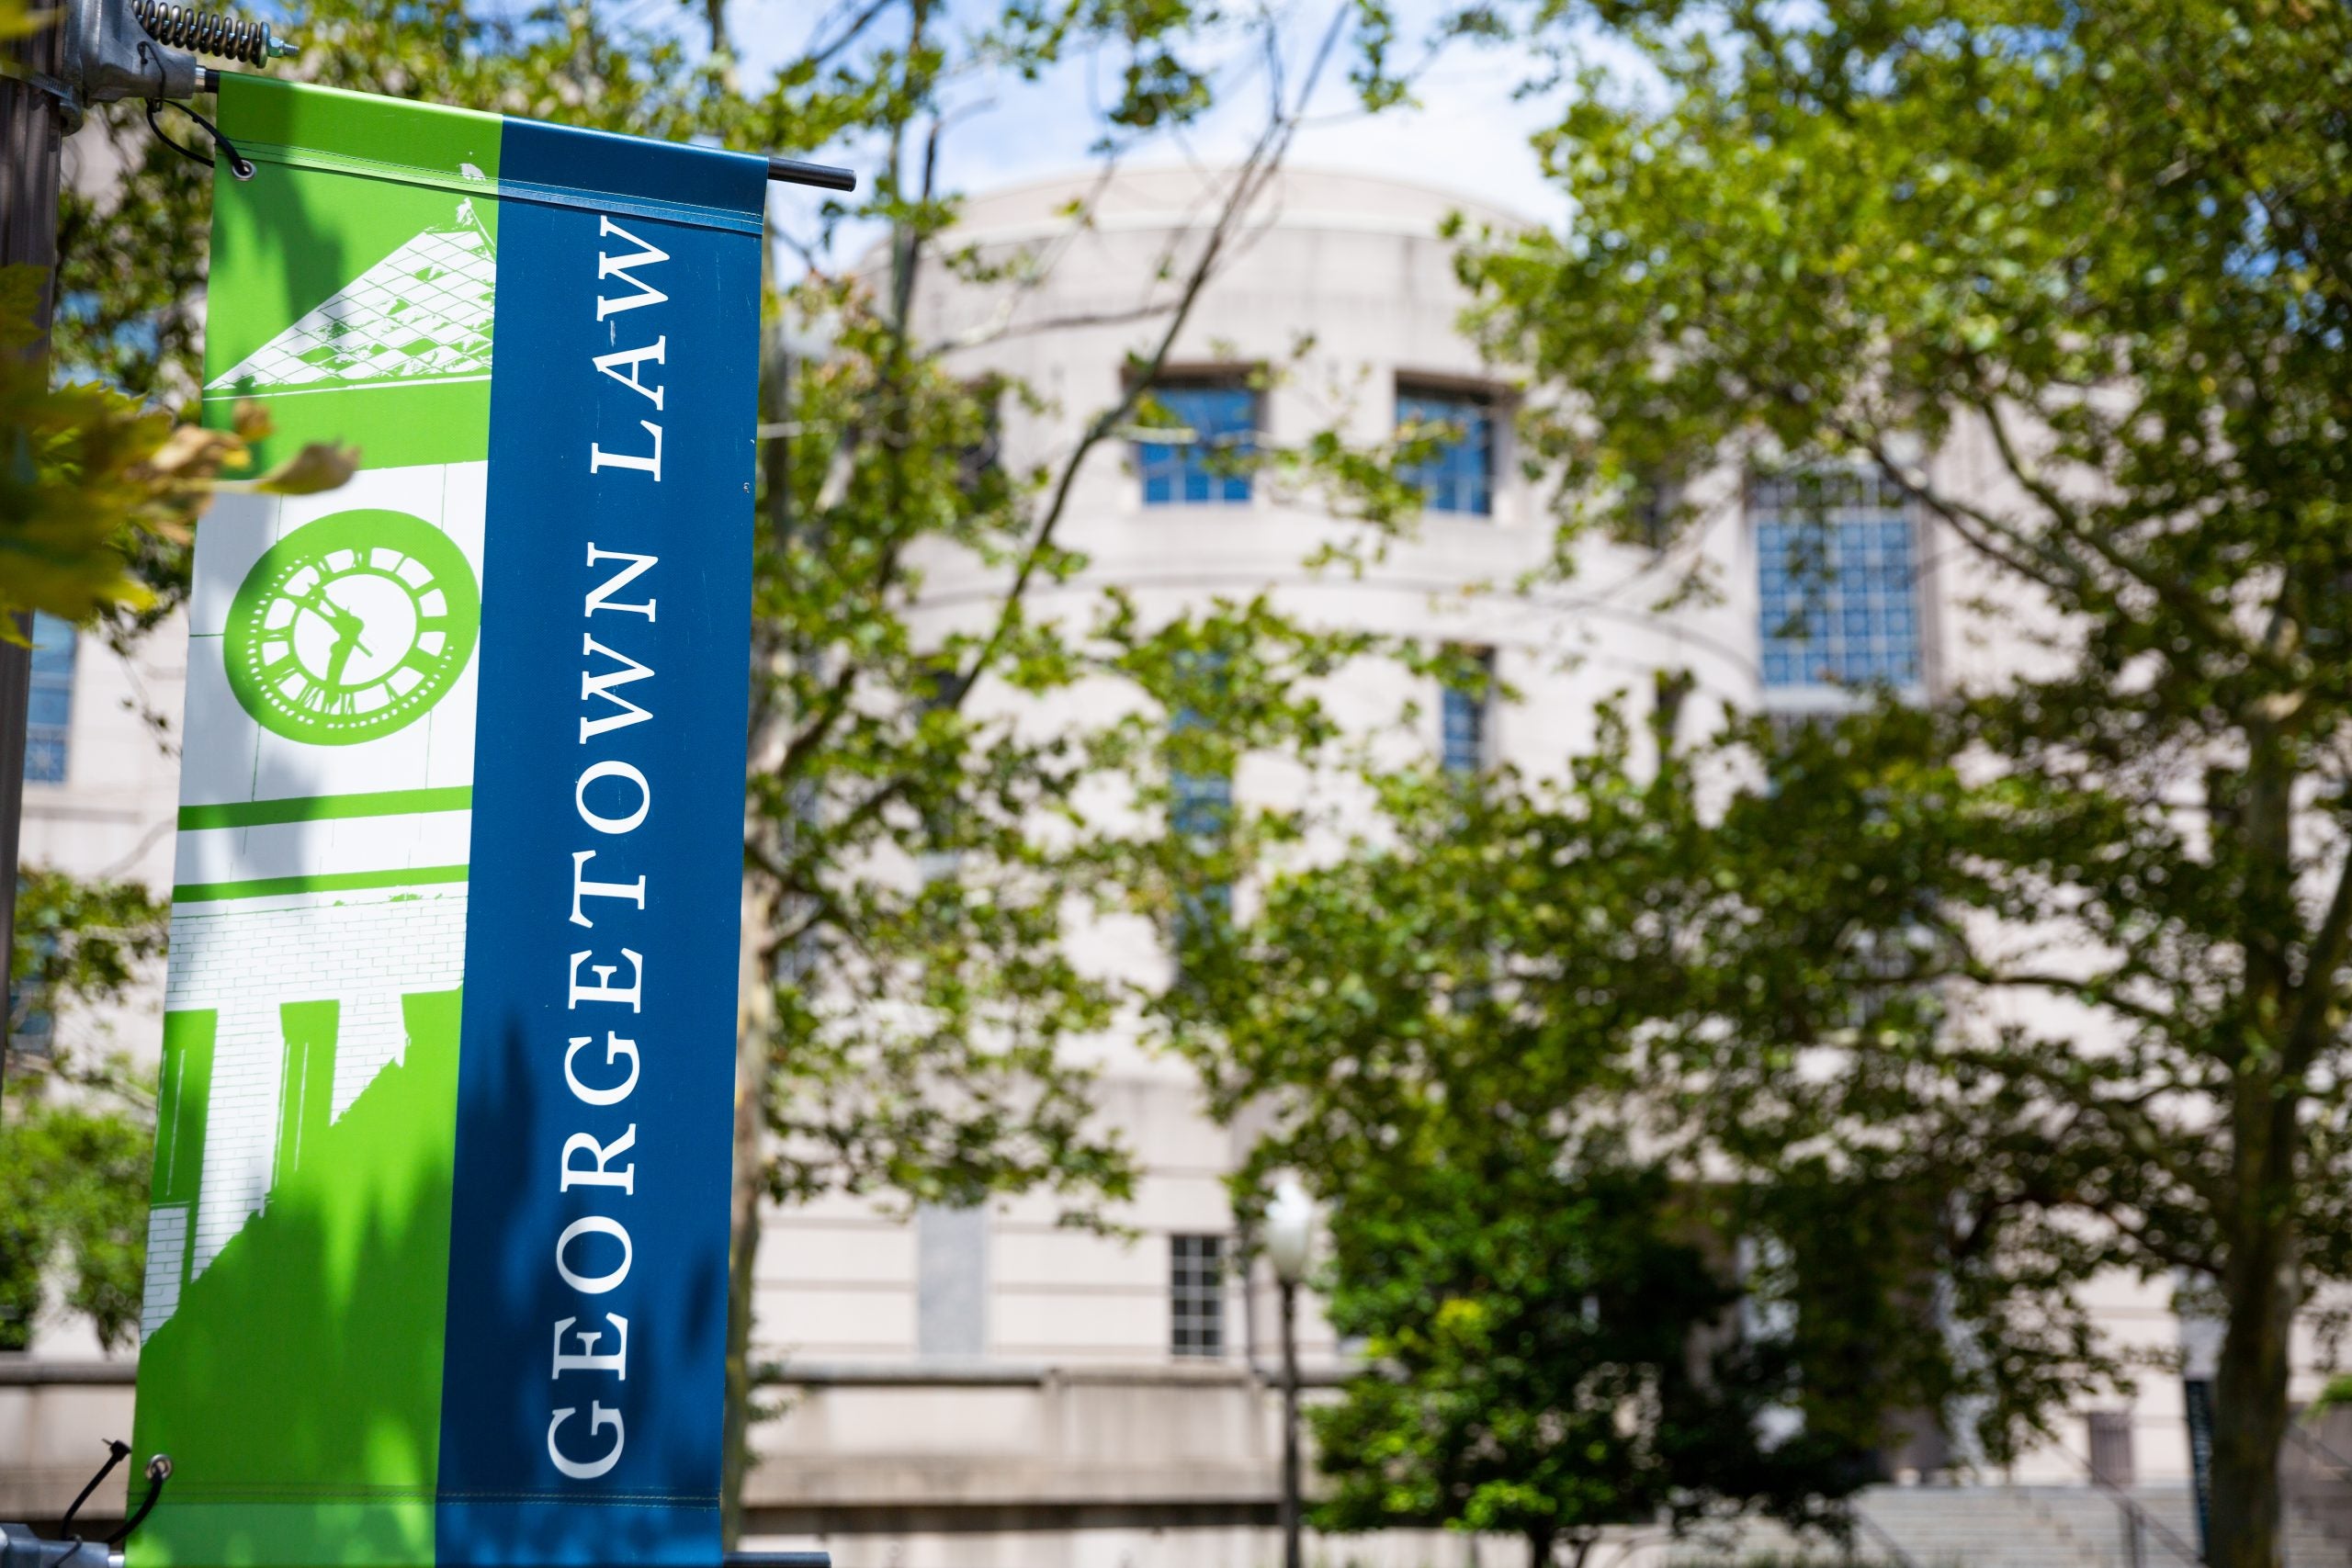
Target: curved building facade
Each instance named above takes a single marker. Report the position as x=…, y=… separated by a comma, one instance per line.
x=986, y=1388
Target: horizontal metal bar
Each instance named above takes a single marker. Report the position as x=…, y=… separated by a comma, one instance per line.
x=824, y=176
x=781, y=170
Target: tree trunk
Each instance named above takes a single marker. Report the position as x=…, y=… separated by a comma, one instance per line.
x=2259, y=1231
x=754, y=1023
x=2260, y=1286
x=1539, y=1546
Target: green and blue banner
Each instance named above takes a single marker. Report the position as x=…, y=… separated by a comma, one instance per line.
x=437, y=1260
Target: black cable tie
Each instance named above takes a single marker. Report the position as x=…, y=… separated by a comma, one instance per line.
x=158, y=1470
x=116, y=1451
x=239, y=164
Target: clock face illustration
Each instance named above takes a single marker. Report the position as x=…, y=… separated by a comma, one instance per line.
x=352, y=627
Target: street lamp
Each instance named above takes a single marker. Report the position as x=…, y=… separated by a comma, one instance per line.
x=1290, y=1246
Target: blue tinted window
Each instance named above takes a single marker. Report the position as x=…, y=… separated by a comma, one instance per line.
x=49, y=723
x=1838, y=599
x=1200, y=810
x=1460, y=477
x=1461, y=722
x=1210, y=468
x=35, y=1025
x=1200, y=805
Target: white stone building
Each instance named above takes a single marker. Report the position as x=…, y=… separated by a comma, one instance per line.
x=984, y=1388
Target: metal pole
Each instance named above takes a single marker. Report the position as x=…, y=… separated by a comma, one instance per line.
x=2197, y=1401
x=1291, y=1558
x=31, y=136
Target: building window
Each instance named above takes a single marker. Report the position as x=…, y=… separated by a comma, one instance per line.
x=1199, y=804
x=32, y=1030
x=1200, y=811
x=1838, y=601
x=1460, y=476
x=1197, y=1295
x=951, y=1282
x=49, y=721
x=2111, y=1457
x=1194, y=448
x=1462, y=716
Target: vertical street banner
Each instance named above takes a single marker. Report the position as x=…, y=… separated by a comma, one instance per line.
x=437, y=1260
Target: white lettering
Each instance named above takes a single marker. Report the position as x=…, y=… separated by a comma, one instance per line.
x=587, y=1361
x=610, y=769
x=600, y=598
x=581, y=1176
x=603, y=990
x=599, y=459
x=584, y=888
x=633, y=357
x=618, y=266
x=601, y=686
x=598, y=1419
x=591, y=1225
x=585, y=1160
x=614, y=1047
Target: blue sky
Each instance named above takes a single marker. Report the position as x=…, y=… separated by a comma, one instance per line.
x=1467, y=133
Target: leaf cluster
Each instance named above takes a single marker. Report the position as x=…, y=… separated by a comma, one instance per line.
x=78, y=1125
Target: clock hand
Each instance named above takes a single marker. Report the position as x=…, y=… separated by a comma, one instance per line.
x=347, y=625
x=346, y=642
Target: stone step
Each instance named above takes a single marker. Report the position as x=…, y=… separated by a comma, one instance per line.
x=2006, y=1527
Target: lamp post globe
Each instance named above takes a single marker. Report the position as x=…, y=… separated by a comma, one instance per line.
x=1290, y=1230
x=1290, y=1246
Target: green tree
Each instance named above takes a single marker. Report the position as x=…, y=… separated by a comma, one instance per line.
x=1555, y=1348
x=73, y=1189
x=79, y=1123
x=1454, y=1026
x=2074, y=278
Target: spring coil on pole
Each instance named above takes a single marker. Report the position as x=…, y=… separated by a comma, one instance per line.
x=204, y=32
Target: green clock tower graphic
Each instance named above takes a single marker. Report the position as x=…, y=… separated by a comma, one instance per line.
x=352, y=627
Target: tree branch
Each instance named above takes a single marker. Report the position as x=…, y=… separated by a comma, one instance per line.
x=1265, y=157
x=2307, y=1030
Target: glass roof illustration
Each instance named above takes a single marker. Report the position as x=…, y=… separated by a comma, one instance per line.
x=423, y=312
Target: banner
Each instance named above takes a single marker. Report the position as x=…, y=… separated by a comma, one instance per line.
x=437, y=1261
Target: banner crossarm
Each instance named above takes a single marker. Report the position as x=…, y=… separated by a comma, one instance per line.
x=824, y=176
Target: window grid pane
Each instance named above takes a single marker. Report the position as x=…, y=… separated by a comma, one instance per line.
x=1211, y=469
x=1461, y=719
x=1197, y=1295
x=1459, y=476
x=1201, y=806
x=1838, y=600
x=1202, y=812
x=51, y=715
